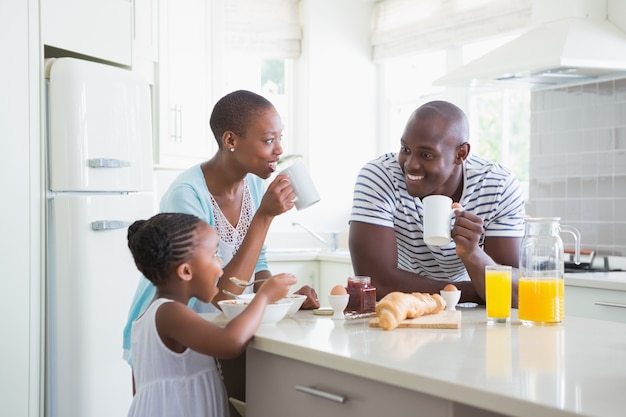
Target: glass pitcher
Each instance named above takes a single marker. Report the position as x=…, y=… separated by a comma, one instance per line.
x=541, y=287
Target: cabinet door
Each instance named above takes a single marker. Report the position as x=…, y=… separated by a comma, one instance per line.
x=21, y=171
x=183, y=127
x=301, y=389
x=96, y=28
x=145, y=37
x=595, y=303
x=331, y=274
x=306, y=272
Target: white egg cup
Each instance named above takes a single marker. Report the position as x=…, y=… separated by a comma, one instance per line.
x=338, y=304
x=451, y=298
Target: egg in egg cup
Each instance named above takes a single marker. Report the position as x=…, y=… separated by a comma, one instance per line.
x=451, y=296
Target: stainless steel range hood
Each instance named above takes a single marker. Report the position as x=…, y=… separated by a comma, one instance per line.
x=570, y=41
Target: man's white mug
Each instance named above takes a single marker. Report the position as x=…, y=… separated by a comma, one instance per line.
x=437, y=219
x=303, y=186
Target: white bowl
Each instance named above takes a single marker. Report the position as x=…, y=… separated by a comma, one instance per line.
x=297, y=299
x=272, y=314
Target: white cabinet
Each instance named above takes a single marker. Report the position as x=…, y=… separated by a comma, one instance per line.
x=145, y=37
x=183, y=84
x=331, y=274
x=307, y=272
x=595, y=303
x=100, y=29
x=21, y=173
x=301, y=389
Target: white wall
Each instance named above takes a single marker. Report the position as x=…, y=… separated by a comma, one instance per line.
x=335, y=111
x=21, y=209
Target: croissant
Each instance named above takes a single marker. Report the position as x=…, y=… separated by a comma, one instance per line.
x=397, y=306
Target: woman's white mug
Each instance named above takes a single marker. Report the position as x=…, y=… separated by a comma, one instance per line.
x=438, y=216
x=303, y=186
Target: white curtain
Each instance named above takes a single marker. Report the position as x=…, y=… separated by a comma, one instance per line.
x=263, y=28
x=403, y=27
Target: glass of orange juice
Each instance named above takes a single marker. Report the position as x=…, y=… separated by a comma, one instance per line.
x=498, y=293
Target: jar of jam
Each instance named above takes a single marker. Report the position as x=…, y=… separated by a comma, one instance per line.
x=362, y=295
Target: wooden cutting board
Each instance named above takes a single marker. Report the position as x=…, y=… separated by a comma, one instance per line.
x=444, y=320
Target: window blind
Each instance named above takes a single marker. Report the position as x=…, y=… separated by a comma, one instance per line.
x=403, y=27
x=268, y=28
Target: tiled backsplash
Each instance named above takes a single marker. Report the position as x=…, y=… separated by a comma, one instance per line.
x=578, y=161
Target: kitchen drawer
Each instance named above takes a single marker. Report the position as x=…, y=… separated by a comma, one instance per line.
x=271, y=391
x=595, y=303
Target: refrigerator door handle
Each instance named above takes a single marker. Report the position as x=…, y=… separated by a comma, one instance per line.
x=107, y=163
x=101, y=225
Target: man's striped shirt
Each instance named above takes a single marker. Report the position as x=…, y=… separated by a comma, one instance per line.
x=490, y=191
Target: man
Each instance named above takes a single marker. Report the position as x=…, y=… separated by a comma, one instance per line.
x=386, y=228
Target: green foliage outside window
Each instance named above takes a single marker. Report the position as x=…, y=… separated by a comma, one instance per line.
x=500, y=122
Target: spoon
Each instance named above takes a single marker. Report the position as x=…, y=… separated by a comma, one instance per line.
x=230, y=293
x=244, y=284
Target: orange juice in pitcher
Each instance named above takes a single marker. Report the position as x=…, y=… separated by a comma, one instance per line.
x=541, y=288
x=541, y=300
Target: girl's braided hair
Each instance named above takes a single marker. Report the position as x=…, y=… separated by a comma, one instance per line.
x=161, y=243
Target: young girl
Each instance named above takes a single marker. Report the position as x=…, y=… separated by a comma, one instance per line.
x=175, y=373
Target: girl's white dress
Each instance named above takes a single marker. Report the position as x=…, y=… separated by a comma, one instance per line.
x=169, y=384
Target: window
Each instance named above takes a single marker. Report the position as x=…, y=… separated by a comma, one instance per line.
x=254, y=44
x=499, y=118
x=269, y=78
x=407, y=84
x=500, y=129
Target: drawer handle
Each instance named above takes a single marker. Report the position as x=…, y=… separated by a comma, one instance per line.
x=322, y=394
x=605, y=303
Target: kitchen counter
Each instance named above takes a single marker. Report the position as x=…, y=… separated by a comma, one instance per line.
x=601, y=280
x=575, y=369
x=307, y=254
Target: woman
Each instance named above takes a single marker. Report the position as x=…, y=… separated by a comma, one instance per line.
x=228, y=192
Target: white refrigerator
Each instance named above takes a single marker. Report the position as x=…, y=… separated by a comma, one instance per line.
x=99, y=170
